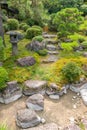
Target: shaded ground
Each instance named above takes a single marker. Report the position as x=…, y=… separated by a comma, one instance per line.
x=55, y=111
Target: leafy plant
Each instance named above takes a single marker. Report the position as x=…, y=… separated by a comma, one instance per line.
x=71, y=72
x=3, y=77
x=42, y=52
x=32, y=32
x=12, y=24
x=1, y=50
x=38, y=38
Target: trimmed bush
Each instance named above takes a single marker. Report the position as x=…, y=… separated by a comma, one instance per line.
x=1, y=50
x=21, y=25
x=13, y=24
x=42, y=52
x=32, y=32
x=3, y=78
x=5, y=26
x=25, y=27
x=84, y=44
x=35, y=26
x=38, y=38
x=71, y=72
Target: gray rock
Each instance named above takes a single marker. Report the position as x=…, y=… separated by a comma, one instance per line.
x=62, y=91
x=72, y=127
x=11, y=93
x=51, y=47
x=26, y=61
x=77, y=87
x=55, y=97
x=35, y=102
x=83, y=93
x=50, y=59
x=49, y=35
x=53, y=52
x=49, y=126
x=51, y=41
x=85, y=54
x=34, y=87
x=27, y=118
x=36, y=45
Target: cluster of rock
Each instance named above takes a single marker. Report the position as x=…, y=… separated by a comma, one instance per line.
x=11, y=93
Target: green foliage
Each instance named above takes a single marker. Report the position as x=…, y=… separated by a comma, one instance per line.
x=66, y=22
x=71, y=72
x=67, y=47
x=38, y=38
x=38, y=27
x=32, y=32
x=5, y=26
x=42, y=52
x=76, y=37
x=84, y=44
x=83, y=8
x=70, y=3
x=12, y=24
x=3, y=78
x=1, y=50
x=3, y=127
x=23, y=26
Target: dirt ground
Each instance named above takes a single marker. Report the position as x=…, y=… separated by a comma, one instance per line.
x=58, y=111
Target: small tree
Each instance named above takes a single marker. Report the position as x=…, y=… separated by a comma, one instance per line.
x=67, y=21
x=71, y=72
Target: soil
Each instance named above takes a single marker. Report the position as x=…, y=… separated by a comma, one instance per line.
x=58, y=111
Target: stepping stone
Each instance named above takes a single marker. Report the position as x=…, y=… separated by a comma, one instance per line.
x=34, y=87
x=26, y=61
x=27, y=118
x=51, y=47
x=50, y=59
x=53, y=52
x=49, y=36
x=35, y=102
x=11, y=93
x=51, y=41
x=49, y=126
x=54, y=97
x=83, y=93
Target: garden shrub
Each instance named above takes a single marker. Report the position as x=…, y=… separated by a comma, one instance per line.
x=21, y=25
x=32, y=32
x=35, y=26
x=3, y=78
x=1, y=50
x=5, y=26
x=42, y=52
x=38, y=38
x=69, y=46
x=71, y=72
x=12, y=24
x=84, y=44
x=25, y=27
x=81, y=39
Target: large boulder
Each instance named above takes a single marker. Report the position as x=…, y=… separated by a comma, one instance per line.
x=49, y=126
x=36, y=45
x=26, y=61
x=35, y=102
x=27, y=118
x=34, y=86
x=11, y=93
x=83, y=93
